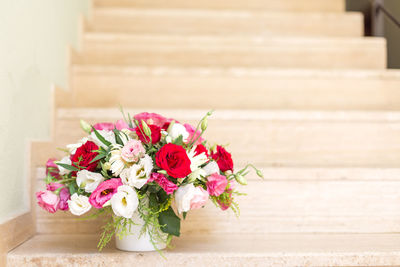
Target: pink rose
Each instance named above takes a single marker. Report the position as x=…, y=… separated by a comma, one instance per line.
x=104, y=192
x=152, y=118
x=107, y=126
x=132, y=151
x=48, y=200
x=52, y=168
x=216, y=184
x=200, y=198
x=168, y=186
x=64, y=195
x=193, y=134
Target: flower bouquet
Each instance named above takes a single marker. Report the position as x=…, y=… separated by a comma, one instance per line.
x=142, y=171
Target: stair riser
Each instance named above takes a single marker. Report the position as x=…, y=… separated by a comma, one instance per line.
x=286, y=142
x=183, y=22
x=278, y=206
x=364, y=57
x=109, y=89
x=282, y=5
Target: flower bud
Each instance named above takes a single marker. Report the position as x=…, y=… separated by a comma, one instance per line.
x=106, y=166
x=146, y=129
x=204, y=124
x=240, y=179
x=85, y=126
x=260, y=174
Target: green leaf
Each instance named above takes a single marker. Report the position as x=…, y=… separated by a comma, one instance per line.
x=98, y=157
x=117, y=137
x=68, y=167
x=178, y=141
x=71, y=188
x=170, y=223
x=184, y=215
x=100, y=137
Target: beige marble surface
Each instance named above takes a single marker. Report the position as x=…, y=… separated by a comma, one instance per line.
x=217, y=250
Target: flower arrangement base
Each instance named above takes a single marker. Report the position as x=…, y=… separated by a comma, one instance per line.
x=136, y=242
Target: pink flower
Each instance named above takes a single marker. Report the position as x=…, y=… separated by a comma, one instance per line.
x=200, y=198
x=107, y=126
x=193, y=134
x=64, y=195
x=52, y=168
x=121, y=124
x=48, y=200
x=132, y=151
x=168, y=186
x=104, y=192
x=152, y=118
x=216, y=184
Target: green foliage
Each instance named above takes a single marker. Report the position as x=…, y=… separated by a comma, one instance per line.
x=68, y=167
x=100, y=137
x=170, y=223
x=117, y=137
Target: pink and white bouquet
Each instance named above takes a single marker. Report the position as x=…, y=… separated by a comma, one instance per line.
x=143, y=171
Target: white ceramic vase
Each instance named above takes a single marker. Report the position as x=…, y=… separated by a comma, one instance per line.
x=132, y=241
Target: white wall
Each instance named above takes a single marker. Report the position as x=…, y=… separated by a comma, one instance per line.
x=34, y=35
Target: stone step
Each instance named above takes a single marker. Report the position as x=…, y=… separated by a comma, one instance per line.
x=218, y=250
x=206, y=51
x=223, y=22
x=276, y=138
x=289, y=200
x=109, y=86
x=281, y=5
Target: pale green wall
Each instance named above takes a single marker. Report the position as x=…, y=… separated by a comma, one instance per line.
x=34, y=35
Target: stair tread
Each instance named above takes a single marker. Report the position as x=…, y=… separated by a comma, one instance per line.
x=237, y=71
x=212, y=12
x=256, y=39
x=229, y=114
x=262, y=249
x=287, y=5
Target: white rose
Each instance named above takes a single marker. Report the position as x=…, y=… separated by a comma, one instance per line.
x=177, y=130
x=125, y=201
x=211, y=168
x=108, y=135
x=79, y=204
x=138, y=175
x=64, y=160
x=89, y=180
x=73, y=147
x=183, y=197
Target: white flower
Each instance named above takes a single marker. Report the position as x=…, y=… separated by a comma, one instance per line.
x=79, y=204
x=138, y=174
x=196, y=160
x=116, y=161
x=177, y=130
x=211, y=168
x=64, y=160
x=73, y=147
x=89, y=180
x=108, y=135
x=125, y=201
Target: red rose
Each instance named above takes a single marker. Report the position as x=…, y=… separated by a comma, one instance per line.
x=223, y=158
x=84, y=155
x=174, y=160
x=155, y=134
x=200, y=149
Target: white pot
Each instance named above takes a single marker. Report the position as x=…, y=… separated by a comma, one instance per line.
x=132, y=241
